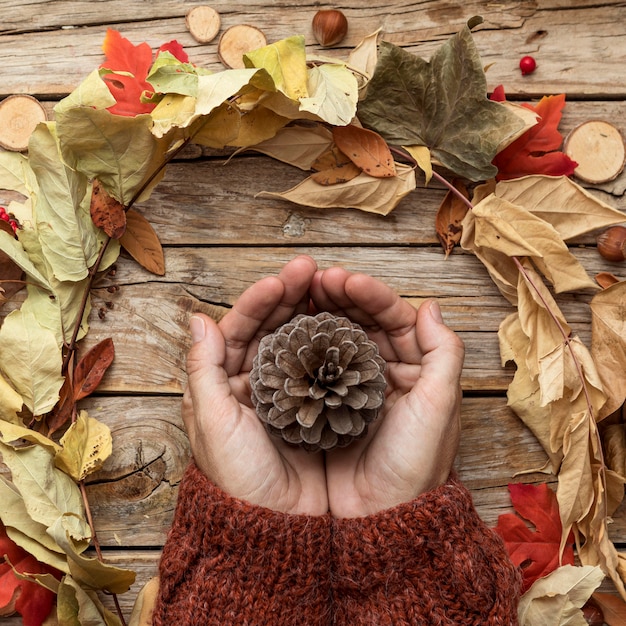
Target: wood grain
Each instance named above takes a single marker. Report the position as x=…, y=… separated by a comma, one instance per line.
x=219, y=237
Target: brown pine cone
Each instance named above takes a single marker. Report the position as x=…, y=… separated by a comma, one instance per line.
x=318, y=381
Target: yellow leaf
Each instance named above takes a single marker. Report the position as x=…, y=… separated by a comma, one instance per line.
x=374, y=195
x=421, y=154
x=285, y=62
x=85, y=445
x=255, y=126
x=10, y=402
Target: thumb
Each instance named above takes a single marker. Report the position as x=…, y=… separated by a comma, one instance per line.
x=207, y=381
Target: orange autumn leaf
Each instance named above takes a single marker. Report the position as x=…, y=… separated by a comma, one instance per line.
x=366, y=149
x=129, y=66
x=92, y=367
x=535, y=552
x=537, y=150
x=142, y=243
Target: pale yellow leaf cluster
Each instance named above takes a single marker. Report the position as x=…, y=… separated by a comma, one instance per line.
x=561, y=388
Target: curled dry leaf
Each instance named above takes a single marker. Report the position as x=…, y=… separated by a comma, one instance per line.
x=613, y=608
x=142, y=243
x=608, y=343
x=450, y=215
x=366, y=149
x=606, y=279
x=106, y=212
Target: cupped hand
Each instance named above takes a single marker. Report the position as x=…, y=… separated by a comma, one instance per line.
x=229, y=443
x=411, y=447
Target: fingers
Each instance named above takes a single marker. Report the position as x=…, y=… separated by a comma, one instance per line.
x=388, y=319
x=263, y=307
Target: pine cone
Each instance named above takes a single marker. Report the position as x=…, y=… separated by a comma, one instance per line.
x=318, y=381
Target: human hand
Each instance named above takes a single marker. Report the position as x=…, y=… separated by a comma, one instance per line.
x=411, y=448
x=229, y=443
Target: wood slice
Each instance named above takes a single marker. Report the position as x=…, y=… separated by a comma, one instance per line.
x=203, y=23
x=598, y=148
x=19, y=115
x=236, y=41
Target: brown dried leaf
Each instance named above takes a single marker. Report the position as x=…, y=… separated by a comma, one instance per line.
x=107, y=213
x=613, y=608
x=614, y=446
x=608, y=343
x=334, y=167
x=366, y=149
x=142, y=243
x=91, y=368
x=450, y=216
x=606, y=279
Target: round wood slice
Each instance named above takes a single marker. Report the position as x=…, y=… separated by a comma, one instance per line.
x=598, y=148
x=19, y=115
x=236, y=41
x=203, y=23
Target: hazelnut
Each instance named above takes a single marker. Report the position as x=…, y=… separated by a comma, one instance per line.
x=612, y=243
x=329, y=27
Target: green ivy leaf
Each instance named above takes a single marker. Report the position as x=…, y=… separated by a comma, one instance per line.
x=441, y=104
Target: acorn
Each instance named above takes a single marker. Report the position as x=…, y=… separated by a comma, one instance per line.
x=612, y=243
x=330, y=26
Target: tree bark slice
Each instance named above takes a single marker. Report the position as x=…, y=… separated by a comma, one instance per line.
x=19, y=115
x=598, y=148
x=236, y=41
x=203, y=23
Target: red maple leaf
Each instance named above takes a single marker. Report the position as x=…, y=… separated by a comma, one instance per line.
x=535, y=552
x=32, y=601
x=537, y=150
x=130, y=65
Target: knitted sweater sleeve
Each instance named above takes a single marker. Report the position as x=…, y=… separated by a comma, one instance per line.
x=229, y=562
x=429, y=561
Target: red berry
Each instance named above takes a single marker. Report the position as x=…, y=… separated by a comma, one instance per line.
x=528, y=65
x=3, y=213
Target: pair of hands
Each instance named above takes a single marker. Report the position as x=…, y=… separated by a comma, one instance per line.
x=408, y=450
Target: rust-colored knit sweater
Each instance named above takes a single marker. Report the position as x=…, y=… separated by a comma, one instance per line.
x=429, y=562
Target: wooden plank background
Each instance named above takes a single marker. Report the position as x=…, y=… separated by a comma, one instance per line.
x=219, y=238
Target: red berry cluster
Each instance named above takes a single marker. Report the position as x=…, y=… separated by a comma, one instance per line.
x=9, y=218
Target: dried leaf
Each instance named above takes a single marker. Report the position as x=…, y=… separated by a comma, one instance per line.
x=514, y=231
x=334, y=167
x=91, y=368
x=333, y=94
x=614, y=446
x=89, y=571
x=440, y=104
x=450, y=216
x=10, y=402
x=366, y=149
x=570, y=208
x=556, y=599
x=375, y=195
x=86, y=445
x=606, y=279
x=608, y=343
x=363, y=58
x=536, y=151
x=48, y=492
x=613, y=608
x=142, y=243
x=421, y=154
x=75, y=606
x=535, y=552
x=297, y=145
x=35, y=364
x=145, y=603
x=106, y=212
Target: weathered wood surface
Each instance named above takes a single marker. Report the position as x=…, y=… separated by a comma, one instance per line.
x=219, y=238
